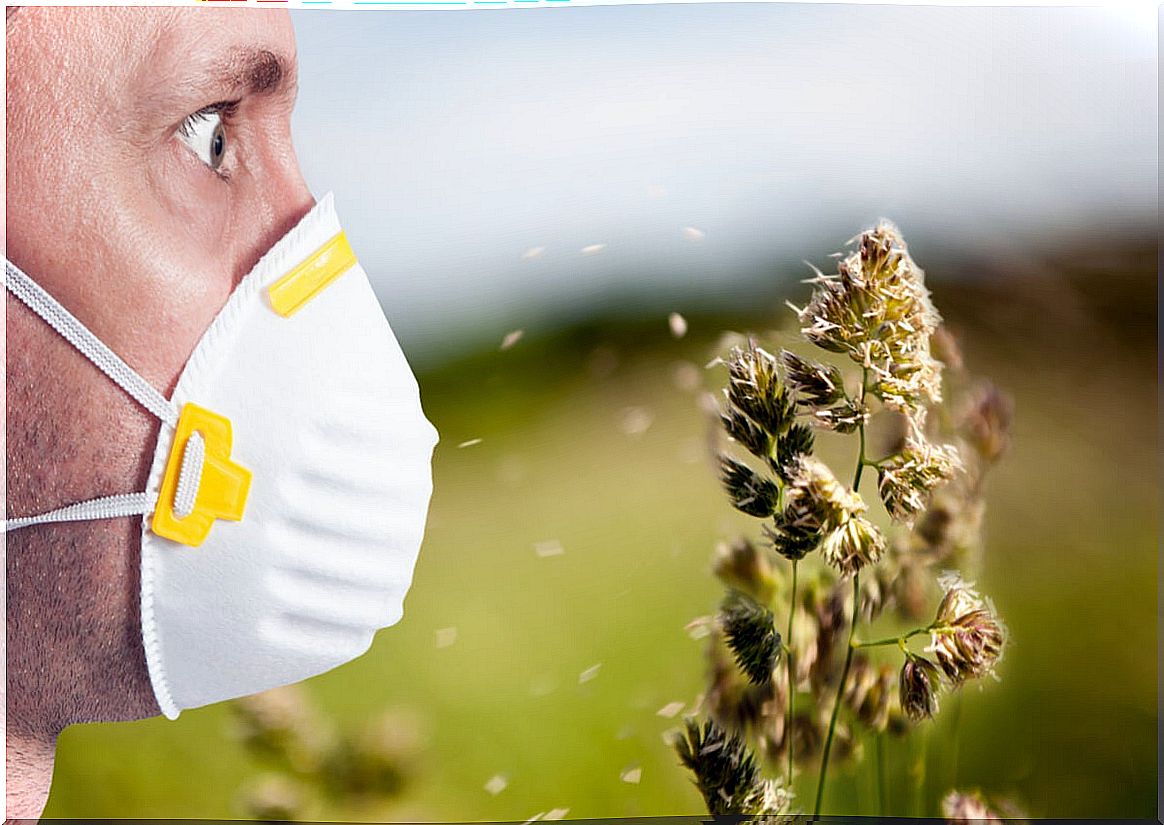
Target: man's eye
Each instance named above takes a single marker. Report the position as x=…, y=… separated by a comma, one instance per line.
x=204, y=134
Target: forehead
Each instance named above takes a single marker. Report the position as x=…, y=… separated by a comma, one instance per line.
x=201, y=31
x=140, y=45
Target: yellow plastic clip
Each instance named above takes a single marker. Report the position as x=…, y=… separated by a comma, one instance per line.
x=308, y=279
x=222, y=491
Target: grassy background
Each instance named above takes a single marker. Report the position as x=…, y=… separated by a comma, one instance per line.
x=1069, y=732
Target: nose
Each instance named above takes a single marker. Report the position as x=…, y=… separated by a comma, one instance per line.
x=281, y=197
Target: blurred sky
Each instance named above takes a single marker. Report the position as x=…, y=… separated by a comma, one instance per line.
x=456, y=142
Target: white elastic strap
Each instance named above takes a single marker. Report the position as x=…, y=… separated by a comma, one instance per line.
x=126, y=504
x=190, y=476
x=56, y=316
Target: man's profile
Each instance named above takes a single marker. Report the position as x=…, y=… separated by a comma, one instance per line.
x=217, y=462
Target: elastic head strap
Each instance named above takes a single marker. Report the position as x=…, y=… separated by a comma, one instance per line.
x=30, y=293
x=125, y=504
x=85, y=342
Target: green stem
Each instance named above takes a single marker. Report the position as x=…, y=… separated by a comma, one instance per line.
x=790, y=660
x=849, y=648
x=894, y=640
x=828, y=746
x=882, y=791
x=861, y=460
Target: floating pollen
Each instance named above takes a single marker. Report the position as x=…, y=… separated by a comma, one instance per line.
x=589, y=673
x=636, y=420
x=548, y=548
x=632, y=775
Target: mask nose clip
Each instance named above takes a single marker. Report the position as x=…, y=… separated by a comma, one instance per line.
x=201, y=482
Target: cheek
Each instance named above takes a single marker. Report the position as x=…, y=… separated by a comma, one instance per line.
x=180, y=241
x=195, y=201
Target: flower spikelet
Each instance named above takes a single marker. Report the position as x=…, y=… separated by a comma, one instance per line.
x=853, y=545
x=845, y=417
x=876, y=309
x=907, y=480
x=918, y=685
x=814, y=499
x=749, y=491
x=755, y=389
x=968, y=809
x=746, y=433
x=796, y=442
x=967, y=638
x=745, y=566
x=750, y=632
x=816, y=385
x=986, y=422
x=770, y=803
x=868, y=691
x=815, y=503
x=724, y=769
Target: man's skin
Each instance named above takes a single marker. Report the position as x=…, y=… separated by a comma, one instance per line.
x=131, y=231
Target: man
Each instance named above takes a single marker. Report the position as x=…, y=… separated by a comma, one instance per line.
x=149, y=166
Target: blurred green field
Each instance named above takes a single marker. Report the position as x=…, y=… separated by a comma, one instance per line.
x=564, y=456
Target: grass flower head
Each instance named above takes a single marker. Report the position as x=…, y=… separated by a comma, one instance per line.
x=967, y=637
x=876, y=309
x=918, y=688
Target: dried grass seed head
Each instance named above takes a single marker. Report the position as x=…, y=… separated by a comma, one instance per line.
x=815, y=385
x=918, y=683
x=746, y=566
x=962, y=808
x=985, y=422
x=750, y=492
x=877, y=310
x=907, y=480
x=750, y=631
x=967, y=638
x=755, y=389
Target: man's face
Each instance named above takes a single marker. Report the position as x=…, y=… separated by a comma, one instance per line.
x=149, y=166
x=108, y=206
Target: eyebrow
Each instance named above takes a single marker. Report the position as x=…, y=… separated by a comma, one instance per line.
x=237, y=73
x=257, y=71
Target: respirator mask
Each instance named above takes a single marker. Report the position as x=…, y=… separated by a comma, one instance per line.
x=290, y=483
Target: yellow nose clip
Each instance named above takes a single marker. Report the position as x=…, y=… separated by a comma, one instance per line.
x=308, y=279
x=222, y=484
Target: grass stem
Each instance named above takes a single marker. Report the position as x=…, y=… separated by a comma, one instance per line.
x=849, y=648
x=828, y=746
x=791, y=663
x=882, y=791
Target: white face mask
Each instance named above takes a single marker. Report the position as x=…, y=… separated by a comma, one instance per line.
x=291, y=480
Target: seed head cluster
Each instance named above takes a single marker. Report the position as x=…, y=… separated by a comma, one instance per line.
x=820, y=509
x=877, y=311
x=967, y=637
x=726, y=772
x=918, y=686
x=907, y=480
x=773, y=701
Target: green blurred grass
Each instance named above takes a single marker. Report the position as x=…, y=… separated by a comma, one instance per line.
x=1069, y=732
